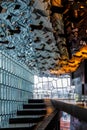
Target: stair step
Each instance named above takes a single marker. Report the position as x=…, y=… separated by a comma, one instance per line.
x=22, y=125
x=36, y=101
x=19, y=128
x=27, y=118
x=32, y=119
x=34, y=105
x=31, y=112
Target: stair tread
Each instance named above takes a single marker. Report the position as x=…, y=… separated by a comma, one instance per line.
x=24, y=125
x=18, y=126
x=20, y=117
x=34, y=104
x=39, y=109
x=30, y=116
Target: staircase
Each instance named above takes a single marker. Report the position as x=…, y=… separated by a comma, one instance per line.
x=27, y=119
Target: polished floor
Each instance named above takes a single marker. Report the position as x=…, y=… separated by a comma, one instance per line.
x=65, y=122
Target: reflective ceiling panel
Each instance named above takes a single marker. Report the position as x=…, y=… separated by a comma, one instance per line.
x=43, y=34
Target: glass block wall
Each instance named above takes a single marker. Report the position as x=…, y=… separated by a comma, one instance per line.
x=16, y=86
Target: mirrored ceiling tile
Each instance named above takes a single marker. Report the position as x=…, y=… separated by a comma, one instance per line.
x=7, y=4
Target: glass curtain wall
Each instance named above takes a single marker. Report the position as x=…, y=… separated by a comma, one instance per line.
x=16, y=87
x=53, y=87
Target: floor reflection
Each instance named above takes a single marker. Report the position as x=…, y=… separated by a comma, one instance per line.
x=65, y=121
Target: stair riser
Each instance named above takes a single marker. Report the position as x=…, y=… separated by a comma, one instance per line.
x=24, y=120
x=33, y=106
x=36, y=101
x=31, y=112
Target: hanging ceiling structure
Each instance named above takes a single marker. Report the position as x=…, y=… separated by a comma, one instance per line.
x=49, y=36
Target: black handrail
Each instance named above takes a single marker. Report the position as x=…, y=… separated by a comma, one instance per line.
x=72, y=109
x=50, y=122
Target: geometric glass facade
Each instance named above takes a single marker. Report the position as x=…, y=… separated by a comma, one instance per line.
x=53, y=87
x=16, y=87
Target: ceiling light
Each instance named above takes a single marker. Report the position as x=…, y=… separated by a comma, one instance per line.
x=82, y=7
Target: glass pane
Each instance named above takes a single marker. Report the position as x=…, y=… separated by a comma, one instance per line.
x=36, y=79
x=0, y=60
x=59, y=82
x=64, y=81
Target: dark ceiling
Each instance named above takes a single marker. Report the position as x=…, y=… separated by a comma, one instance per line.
x=49, y=36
